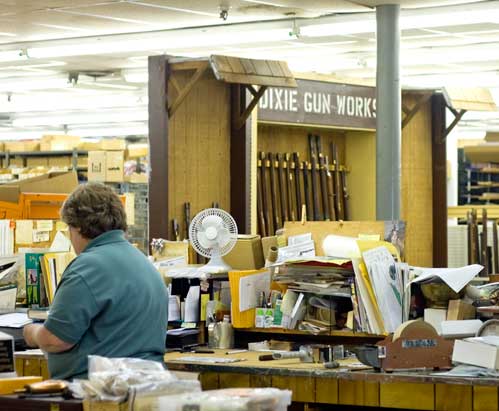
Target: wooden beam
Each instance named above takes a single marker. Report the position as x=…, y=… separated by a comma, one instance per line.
x=439, y=180
x=454, y=123
x=188, y=87
x=241, y=120
x=413, y=111
x=240, y=161
x=159, y=73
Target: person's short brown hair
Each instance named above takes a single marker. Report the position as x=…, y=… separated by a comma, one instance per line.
x=94, y=209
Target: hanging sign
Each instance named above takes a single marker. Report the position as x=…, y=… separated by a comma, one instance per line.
x=320, y=103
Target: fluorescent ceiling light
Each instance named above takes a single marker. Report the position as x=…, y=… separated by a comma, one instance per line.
x=107, y=131
x=35, y=84
x=135, y=76
x=85, y=119
x=12, y=55
x=101, y=84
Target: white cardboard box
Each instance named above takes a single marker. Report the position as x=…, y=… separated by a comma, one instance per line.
x=461, y=328
x=471, y=352
x=435, y=317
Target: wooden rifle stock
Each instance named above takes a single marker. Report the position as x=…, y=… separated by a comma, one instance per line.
x=259, y=202
x=484, y=259
x=283, y=196
x=330, y=191
x=337, y=183
x=187, y=219
x=266, y=202
x=291, y=191
x=273, y=193
x=306, y=191
x=323, y=177
x=315, y=183
x=296, y=160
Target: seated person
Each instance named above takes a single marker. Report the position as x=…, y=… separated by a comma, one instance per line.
x=111, y=301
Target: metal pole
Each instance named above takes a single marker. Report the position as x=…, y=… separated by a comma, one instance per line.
x=388, y=113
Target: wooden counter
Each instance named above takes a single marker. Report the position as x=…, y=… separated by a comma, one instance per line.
x=312, y=383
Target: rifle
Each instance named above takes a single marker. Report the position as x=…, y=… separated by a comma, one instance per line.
x=273, y=193
x=323, y=177
x=291, y=191
x=469, y=223
x=315, y=184
x=495, y=247
x=296, y=160
x=484, y=260
x=259, y=202
x=187, y=219
x=337, y=183
x=343, y=174
x=265, y=203
x=306, y=191
x=330, y=191
x=175, y=230
x=474, y=252
x=283, y=196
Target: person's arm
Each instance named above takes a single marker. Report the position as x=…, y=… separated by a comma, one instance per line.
x=36, y=335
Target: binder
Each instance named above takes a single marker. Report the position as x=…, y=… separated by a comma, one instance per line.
x=245, y=319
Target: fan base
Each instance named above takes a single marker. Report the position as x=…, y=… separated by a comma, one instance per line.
x=216, y=265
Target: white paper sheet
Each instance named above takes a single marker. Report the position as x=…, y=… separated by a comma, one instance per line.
x=455, y=278
x=8, y=300
x=192, y=305
x=60, y=244
x=173, y=308
x=250, y=287
x=386, y=285
x=340, y=246
x=14, y=320
x=305, y=249
x=6, y=238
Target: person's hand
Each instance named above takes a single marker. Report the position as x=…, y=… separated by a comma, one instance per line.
x=29, y=334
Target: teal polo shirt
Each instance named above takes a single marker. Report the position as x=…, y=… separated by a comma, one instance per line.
x=111, y=302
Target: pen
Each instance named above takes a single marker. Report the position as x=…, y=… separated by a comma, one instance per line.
x=235, y=352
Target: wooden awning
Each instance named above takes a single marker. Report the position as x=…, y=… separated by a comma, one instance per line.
x=469, y=99
x=234, y=70
x=252, y=72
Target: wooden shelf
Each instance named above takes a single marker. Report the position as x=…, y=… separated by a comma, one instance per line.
x=333, y=333
x=44, y=153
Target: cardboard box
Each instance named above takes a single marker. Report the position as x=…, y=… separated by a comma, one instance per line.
x=90, y=146
x=82, y=161
x=137, y=150
x=32, y=162
x=142, y=178
x=97, y=166
x=113, y=144
x=59, y=143
x=435, y=317
x=460, y=329
x=460, y=310
x=16, y=162
x=106, y=166
x=115, y=161
x=56, y=183
x=268, y=242
x=65, y=161
x=23, y=145
x=247, y=253
x=471, y=352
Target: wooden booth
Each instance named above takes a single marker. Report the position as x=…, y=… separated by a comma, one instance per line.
x=205, y=145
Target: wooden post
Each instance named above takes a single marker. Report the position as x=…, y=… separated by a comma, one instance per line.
x=240, y=161
x=159, y=72
x=439, y=177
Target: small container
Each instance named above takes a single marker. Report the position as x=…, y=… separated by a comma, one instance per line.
x=226, y=334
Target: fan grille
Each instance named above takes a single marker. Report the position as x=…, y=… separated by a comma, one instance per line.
x=196, y=227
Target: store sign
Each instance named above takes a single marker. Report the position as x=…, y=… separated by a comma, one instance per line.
x=320, y=103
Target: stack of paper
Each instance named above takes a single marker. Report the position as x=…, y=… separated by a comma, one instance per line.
x=479, y=351
x=6, y=238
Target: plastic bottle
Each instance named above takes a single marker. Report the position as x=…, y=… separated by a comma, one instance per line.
x=226, y=334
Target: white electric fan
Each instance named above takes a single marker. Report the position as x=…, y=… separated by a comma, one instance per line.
x=213, y=233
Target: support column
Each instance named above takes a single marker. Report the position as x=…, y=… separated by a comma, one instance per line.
x=388, y=113
x=240, y=162
x=159, y=73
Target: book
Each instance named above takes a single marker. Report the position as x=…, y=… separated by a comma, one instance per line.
x=33, y=279
x=39, y=314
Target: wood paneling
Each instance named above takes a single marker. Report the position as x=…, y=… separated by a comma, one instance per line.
x=453, y=397
x=260, y=381
x=199, y=148
x=416, y=186
x=485, y=398
x=232, y=380
x=289, y=139
x=209, y=380
x=407, y=395
x=360, y=158
x=303, y=388
x=326, y=391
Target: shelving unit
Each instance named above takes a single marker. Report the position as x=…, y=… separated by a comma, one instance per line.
x=26, y=154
